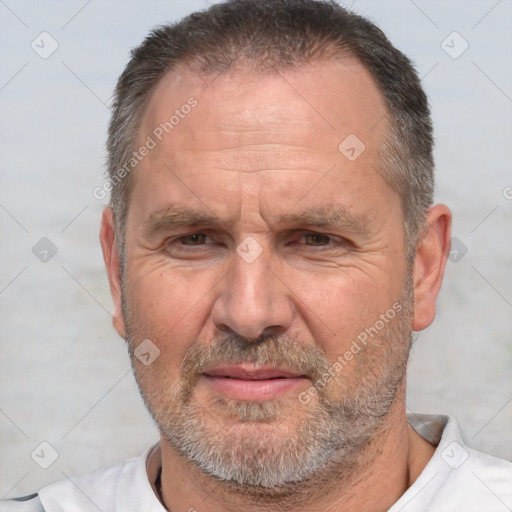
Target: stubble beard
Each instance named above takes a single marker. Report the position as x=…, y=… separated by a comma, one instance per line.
x=267, y=449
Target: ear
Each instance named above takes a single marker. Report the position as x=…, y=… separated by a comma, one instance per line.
x=113, y=266
x=429, y=264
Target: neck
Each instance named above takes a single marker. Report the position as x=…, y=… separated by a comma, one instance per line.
x=376, y=479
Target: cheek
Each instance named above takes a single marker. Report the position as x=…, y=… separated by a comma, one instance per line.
x=167, y=308
x=338, y=307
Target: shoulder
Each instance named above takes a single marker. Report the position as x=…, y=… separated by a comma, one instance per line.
x=457, y=477
x=30, y=503
x=477, y=480
x=104, y=489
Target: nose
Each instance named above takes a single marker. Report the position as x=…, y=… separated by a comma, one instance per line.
x=253, y=299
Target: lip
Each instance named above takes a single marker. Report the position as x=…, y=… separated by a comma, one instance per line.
x=244, y=373
x=242, y=383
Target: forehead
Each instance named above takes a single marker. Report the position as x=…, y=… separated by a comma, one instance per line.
x=257, y=138
x=330, y=99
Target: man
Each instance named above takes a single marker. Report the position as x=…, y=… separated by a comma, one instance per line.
x=271, y=245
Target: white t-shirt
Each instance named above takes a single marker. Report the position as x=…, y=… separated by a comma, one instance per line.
x=457, y=478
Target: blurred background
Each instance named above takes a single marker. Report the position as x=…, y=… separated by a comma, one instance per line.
x=65, y=378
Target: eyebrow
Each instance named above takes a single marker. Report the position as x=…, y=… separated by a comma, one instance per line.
x=326, y=216
x=174, y=217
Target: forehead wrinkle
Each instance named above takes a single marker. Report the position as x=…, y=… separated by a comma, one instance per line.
x=188, y=161
x=259, y=126
x=269, y=169
x=269, y=147
x=281, y=140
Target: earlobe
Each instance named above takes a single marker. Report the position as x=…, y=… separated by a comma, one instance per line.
x=113, y=267
x=429, y=264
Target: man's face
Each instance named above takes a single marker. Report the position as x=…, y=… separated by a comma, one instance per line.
x=260, y=243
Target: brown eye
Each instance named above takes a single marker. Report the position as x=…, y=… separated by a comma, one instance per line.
x=316, y=239
x=195, y=239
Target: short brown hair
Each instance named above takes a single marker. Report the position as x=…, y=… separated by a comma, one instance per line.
x=276, y=34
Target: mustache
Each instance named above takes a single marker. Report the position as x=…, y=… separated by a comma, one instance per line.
x=266, y=350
